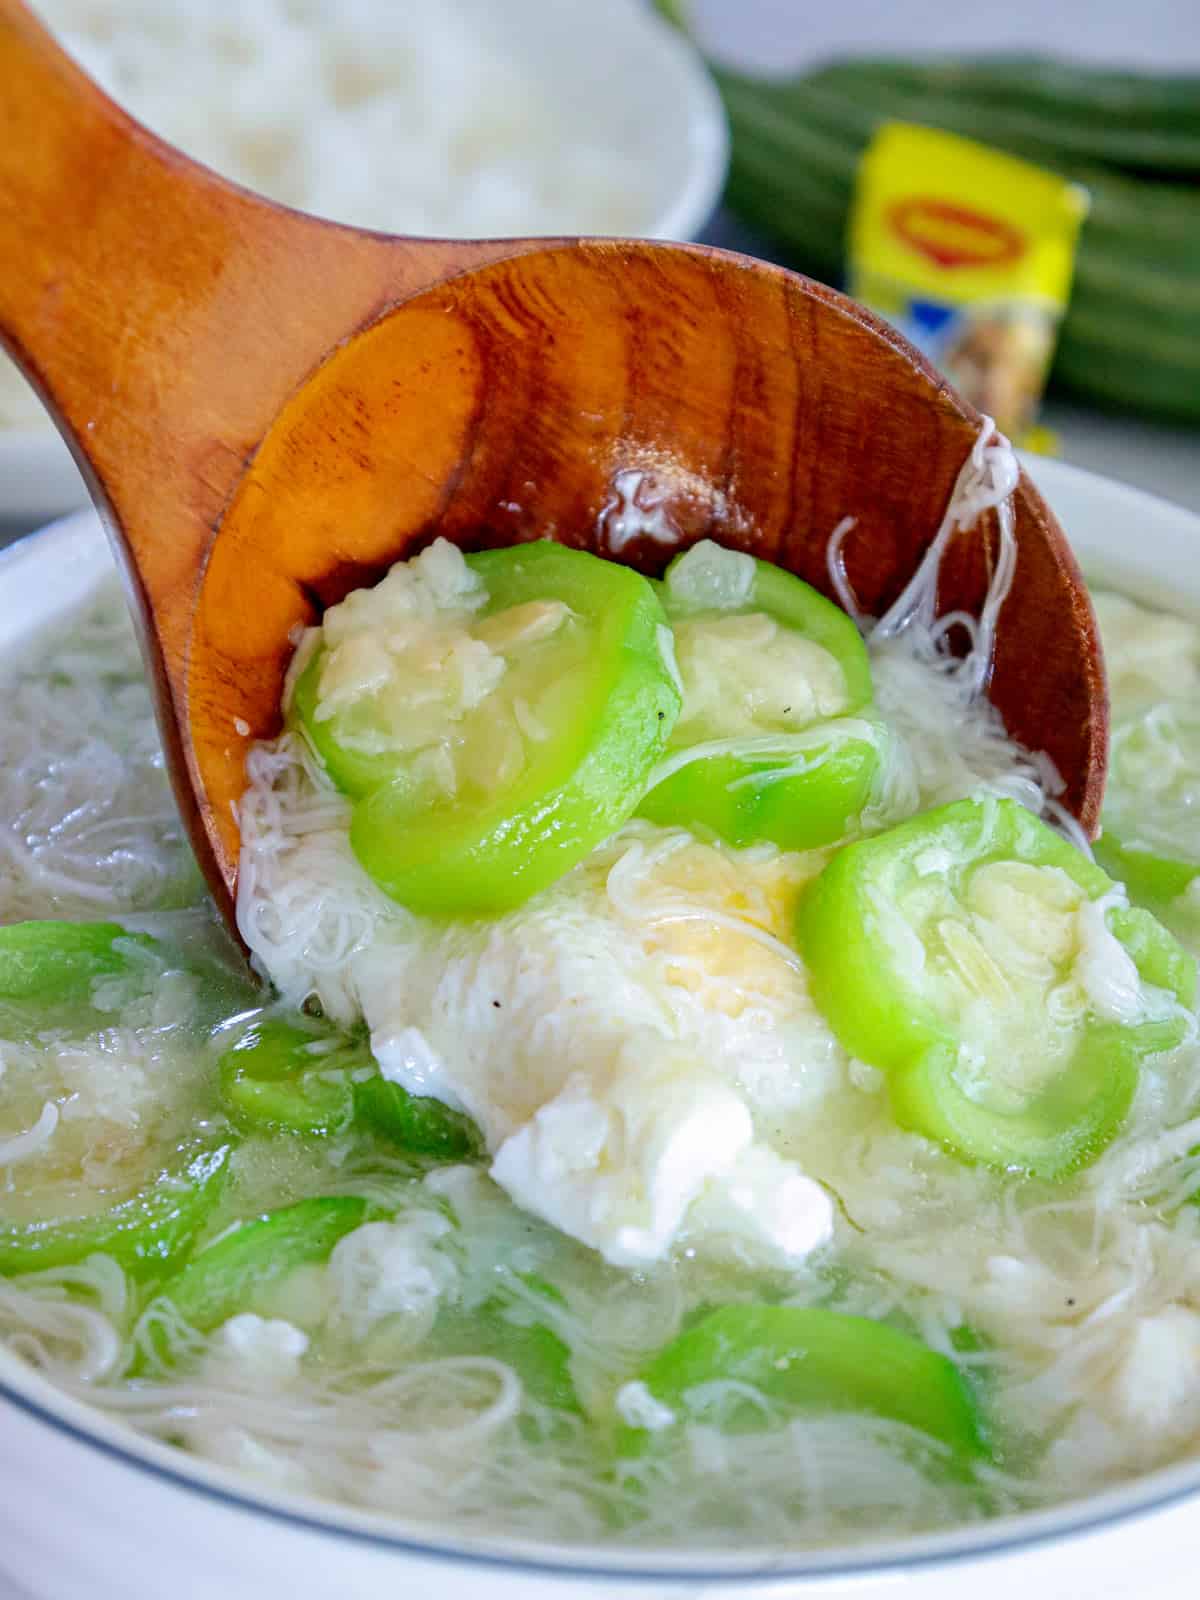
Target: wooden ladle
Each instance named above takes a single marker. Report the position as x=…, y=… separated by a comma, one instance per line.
x=271, y=409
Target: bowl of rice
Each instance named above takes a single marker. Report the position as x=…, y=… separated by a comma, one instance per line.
x=446, y=118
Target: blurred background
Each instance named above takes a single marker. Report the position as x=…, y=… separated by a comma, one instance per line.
x=624, y=116
x=782, y=35
x=775, y=38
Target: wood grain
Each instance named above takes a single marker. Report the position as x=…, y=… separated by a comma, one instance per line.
x=271, y=410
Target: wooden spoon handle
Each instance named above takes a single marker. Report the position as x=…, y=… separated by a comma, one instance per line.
x=163, y=313
x=166, y=316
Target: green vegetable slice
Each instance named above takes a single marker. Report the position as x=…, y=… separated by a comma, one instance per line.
x=295, y=1078
x=283, y=1076
x=416, y=1123
x=536, y=1354
x=958, y=954
x=812, y=1360
x=147, y=1234
x=506, y=1328
x=1151, y=823
x=224, y=1278
x=55, y=962
x=1147, y=874
x=776, y=739
x=494, y=755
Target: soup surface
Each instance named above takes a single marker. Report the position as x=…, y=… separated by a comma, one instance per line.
x=621, y=1197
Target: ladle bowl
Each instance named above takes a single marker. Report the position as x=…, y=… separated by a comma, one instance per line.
x=270, y=410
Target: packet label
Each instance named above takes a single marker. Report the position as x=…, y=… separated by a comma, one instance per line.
x=970, y=253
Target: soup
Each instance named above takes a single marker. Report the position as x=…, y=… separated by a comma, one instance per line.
x=616, y=1194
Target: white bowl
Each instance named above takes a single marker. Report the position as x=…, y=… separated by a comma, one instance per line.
x=638, y=83
x=90, y=1511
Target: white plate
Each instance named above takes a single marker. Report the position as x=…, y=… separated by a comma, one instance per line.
x=144, y=1522
x=635, y=78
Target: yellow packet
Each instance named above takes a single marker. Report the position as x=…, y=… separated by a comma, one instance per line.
x=969, y=252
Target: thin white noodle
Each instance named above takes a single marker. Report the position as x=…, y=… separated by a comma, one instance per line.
x=1068, y=825
x=67, y=1339
x=26, y=1144
x=664, y=911
x=835, y=565
x=985, y=483
x=46, y=878
x=786, y=746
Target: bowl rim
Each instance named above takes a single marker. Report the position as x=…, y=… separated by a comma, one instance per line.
x=37, y=1398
